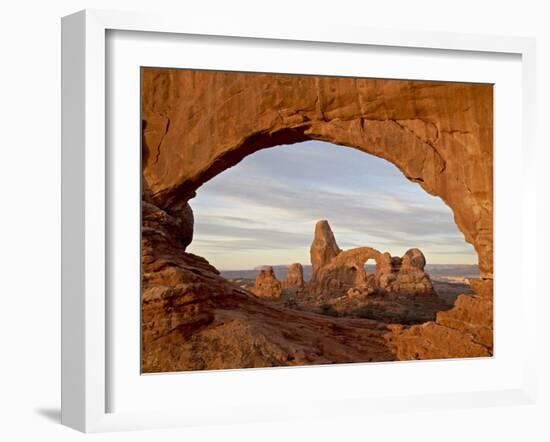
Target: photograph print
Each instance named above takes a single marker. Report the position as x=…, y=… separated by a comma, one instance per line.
x=298, y=220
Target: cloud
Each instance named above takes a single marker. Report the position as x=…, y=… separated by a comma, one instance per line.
x=272, y=199
x=223, y=237
x=231, y=219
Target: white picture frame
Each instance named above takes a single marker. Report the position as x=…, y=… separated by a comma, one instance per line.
x=85, y=310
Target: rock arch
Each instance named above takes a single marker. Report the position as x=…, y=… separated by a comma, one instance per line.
x=336, y=271
x=198, y=123
x=348, y=268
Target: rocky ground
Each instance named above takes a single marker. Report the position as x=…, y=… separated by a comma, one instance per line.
x=449, y=290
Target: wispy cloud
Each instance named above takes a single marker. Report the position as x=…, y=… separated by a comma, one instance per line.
x=264, y=209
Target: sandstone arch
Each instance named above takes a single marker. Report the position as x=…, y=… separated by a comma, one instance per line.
x=336, y=271
x=198, y=123
x=348, y=267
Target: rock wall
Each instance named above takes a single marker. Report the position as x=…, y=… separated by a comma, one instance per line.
x=323, y=248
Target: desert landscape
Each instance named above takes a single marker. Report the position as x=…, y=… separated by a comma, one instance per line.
x=340, y=283
x=352, y=305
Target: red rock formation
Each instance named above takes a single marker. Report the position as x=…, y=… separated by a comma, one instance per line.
x=404, y=275
x=198, y=123
x=295, y=277
x=346, y=270
x=464, y=331
x=323, y=248
x=336, y=272
x=266, y=284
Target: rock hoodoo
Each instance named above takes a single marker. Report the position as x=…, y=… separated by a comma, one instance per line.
x=346, y=270
x=323, y=248
x=403, y=275
x=295, y=277
x=267, y=285
x=198, y=123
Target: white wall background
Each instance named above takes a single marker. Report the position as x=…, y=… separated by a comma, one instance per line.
x=30, y=215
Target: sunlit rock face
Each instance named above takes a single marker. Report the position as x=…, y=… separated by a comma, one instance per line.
x=198, y=123
x=323, y=248
x=404, y=275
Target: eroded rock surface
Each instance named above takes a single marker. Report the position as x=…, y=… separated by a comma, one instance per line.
x=404, y=275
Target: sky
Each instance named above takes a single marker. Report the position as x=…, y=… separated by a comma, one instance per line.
x=263, y=210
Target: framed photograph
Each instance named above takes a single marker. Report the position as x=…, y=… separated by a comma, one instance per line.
x=267, y=222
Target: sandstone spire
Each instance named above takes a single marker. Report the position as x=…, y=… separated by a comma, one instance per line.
x=323, y=248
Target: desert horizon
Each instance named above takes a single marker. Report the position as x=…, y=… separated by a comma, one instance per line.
x=469, y=270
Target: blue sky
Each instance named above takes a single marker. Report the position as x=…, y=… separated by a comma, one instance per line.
x=263, y=210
